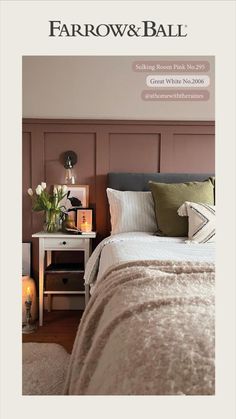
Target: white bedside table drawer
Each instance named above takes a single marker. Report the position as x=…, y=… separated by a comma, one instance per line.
x=49, y=242
x=64, y=243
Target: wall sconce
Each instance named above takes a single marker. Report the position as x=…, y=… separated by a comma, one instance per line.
x=69, y=160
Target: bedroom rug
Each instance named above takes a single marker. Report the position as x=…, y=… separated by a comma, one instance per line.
x=44, y=368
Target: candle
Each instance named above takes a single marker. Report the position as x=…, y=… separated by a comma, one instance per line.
x=28, y=282
x=86, y=227
x=28, y=295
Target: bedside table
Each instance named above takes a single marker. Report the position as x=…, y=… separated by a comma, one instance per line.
x=49, y=242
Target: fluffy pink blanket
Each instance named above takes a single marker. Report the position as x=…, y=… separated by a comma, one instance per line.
x=148, y=329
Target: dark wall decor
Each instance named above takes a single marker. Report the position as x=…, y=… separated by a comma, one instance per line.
x=109, y=146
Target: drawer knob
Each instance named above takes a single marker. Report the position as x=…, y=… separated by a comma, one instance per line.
x=64, y=242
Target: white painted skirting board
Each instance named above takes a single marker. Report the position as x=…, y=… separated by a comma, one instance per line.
x=66, y=303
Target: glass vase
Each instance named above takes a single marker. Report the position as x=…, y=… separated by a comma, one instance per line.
x=52, y=222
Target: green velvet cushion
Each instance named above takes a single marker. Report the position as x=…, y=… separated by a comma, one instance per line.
x=168, y=197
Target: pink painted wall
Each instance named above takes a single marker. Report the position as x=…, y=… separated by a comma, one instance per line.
x=109, y=146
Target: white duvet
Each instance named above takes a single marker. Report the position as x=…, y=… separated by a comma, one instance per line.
x=126, y=247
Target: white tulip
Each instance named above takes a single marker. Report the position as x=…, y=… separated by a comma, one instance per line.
x=44, y=185
x=64, y=189
x=39, y=190
x=54, y=190
x=30, y=192
x=59, y=188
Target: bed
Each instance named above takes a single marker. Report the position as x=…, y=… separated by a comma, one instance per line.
x=148, y=328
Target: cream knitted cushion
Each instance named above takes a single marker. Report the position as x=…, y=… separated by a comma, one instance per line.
x=131, y=211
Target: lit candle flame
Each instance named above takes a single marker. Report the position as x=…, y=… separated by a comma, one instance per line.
x=86, y=227
x=28, y=294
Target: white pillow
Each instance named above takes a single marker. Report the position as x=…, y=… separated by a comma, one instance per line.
x=201, y=221
x=131, y=211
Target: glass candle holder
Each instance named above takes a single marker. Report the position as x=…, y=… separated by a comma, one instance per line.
x=86, y=227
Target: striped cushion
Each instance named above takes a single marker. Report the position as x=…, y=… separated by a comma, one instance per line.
x=201, y=221
x=131, y=211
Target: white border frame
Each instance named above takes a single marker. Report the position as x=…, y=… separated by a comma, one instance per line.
x=211, y=28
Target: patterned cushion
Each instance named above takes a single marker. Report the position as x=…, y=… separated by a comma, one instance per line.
x=201, y=221
x=169, y=196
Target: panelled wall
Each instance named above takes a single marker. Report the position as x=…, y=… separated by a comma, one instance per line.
x=108, y=146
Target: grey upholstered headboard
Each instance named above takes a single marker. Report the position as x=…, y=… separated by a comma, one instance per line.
x=139, y=181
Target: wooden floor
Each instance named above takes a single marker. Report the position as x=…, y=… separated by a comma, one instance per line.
x=59, y=326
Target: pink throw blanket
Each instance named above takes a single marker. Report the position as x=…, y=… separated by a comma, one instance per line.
x=148, y=330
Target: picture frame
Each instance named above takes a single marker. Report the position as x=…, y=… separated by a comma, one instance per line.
x=85, y=219
x=78, y=196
